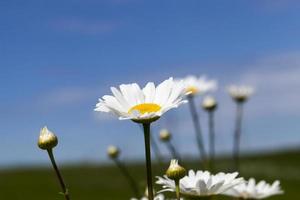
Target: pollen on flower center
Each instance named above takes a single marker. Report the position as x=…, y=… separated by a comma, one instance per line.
x=192, y=90
x=145, y=108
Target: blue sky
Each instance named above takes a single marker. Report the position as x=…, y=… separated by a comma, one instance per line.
x=58, y=57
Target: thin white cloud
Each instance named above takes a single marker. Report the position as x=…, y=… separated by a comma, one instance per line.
x=277, y=79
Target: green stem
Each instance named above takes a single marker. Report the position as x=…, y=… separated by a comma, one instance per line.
x=173, y=151
x=211, y=140
x=146, y=127
x=237, y=135
x=59, y=176
x=177, y=189
x=198, y=131
x=156, y=149
x=129, y=178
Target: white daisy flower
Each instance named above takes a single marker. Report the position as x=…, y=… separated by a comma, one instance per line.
x=201, y=85
x=240, y=93
x=143, y=105
x=201, y=183
x=251, y=190
x=158, y=197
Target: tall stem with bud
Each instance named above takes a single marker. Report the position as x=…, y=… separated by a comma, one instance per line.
x=210, y=105
x=47, y=141
x=240, y=94
x=176, y=172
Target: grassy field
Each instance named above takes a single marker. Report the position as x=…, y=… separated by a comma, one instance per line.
x=88, y=182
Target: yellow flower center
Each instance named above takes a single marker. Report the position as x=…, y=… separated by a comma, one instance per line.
x=145, y=108
x=192, y=90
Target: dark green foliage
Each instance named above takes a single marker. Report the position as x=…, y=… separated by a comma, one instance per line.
x=91, y=182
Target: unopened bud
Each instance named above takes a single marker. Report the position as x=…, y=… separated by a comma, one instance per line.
x=113, y=152
x=164, y=135
x=240, y=94
x=240, y=98
x=175, y=171
x=209, y=103
x=47, y=139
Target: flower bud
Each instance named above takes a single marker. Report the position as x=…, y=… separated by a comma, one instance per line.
x=47, y=139
x=240, y=98
x=113, y=152
x=240, y=94
x=175, y=171
x=209, y=103
x=164, y=135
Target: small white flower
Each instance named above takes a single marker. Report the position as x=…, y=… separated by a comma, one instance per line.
x=143, y=105
x=201, y=183
x=240, y=93
x=201, y=85
x=251, y=190
x=158, y=197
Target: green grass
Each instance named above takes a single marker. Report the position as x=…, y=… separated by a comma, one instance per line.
x=106, y=183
